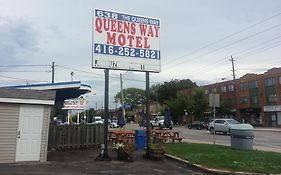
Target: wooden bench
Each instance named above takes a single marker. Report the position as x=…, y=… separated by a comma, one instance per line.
x=177, y=138
x=159, y=139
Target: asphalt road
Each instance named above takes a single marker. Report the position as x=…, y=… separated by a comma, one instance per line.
x=266, y=140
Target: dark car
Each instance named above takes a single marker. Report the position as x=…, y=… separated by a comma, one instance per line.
x=198, y=125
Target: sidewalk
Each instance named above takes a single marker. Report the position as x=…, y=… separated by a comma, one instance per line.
x=82, y=162
x=267, y=129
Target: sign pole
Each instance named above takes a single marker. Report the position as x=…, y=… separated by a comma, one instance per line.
x=214, y=118
x=105, y=124
x=147, y=116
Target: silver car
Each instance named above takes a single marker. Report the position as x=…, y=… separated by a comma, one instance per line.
x=222, y=125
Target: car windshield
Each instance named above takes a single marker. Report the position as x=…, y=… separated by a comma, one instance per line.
x=161, y=117
x=233, y=121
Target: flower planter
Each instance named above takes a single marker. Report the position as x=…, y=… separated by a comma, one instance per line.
x=157, y=153
x=122, y=155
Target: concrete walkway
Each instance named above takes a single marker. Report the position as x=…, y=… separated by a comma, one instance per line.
x=82, y=162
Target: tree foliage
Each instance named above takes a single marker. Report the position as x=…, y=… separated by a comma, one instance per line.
x=132, y=96
x=199, y=104
x=178, y=106
x=168, y=90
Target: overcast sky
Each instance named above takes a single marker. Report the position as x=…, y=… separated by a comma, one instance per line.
x=197, y=38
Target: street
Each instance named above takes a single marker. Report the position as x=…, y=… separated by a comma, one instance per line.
x=264, y=140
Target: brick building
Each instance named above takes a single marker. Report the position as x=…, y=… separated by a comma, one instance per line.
x=258, y=97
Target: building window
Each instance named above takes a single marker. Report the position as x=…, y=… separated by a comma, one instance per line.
x=231, y=88
x=254, y=100
x=253, y=84
x=271, y=99
x=223, y=89
x=214, y=90
x=269, y=81
x=280, y=80
x=244, y=100
x=206, y=91
x=243, y=86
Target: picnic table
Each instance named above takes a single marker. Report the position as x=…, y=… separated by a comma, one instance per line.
x=165, y=135
x=121, y=136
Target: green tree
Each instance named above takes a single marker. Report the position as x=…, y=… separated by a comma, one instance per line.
x=177, y=106
x=199, y=104
x=226, y=106
x=132, y=96
x=168, y=90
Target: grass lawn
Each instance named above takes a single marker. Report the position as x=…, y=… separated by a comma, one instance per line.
x=224, y=157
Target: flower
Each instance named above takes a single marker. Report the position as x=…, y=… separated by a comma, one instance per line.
x=118, y=146
x=125, y=152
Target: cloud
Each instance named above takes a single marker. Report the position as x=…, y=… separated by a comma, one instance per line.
x=19, y=40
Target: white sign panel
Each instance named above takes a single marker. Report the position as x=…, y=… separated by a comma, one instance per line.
x=77, y=103
x=125, y=42
x=214, y=100
x=272, y=108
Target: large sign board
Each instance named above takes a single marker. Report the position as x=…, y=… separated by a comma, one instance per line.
x=125, y=42
x=77, y=103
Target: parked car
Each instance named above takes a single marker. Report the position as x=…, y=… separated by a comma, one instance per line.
x=198, y=125
x=159, y=122
x=222, y=125
x=113, y=124
x=97, y=120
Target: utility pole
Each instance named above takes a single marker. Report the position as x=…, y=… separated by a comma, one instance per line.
x=72, y=74
x=53, y=72
x=236, y=89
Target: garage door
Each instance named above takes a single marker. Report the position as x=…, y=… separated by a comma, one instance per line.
x=29, y=133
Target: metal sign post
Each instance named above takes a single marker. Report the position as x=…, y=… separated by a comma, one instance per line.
x=105, y=123
x=214, y=101
x=147, y=118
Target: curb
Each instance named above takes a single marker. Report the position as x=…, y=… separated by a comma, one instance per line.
x=267, y=129
x=207, y=170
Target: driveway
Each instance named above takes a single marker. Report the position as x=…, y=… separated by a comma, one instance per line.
x=83, y=162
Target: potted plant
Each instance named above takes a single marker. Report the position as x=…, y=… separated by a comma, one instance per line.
x=125, y=152
x=156, y=151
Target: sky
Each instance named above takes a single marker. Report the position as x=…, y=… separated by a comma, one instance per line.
x=197, y=39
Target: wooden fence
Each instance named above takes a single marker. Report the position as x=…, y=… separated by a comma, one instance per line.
x=75, y=136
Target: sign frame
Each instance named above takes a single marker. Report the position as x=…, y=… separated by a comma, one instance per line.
x=75, y=103
x=125, y=42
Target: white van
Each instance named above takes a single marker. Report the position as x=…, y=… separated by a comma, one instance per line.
x=97, y=120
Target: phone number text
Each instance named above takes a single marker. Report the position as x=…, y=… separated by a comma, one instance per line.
x=126, y=51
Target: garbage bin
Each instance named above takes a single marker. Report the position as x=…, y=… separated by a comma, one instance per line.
x=140, y=139
x=242, y=136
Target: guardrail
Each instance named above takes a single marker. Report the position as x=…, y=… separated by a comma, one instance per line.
x=63, y=137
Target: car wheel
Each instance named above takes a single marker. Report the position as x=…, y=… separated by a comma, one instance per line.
x=212, y=131
x=189, y=127
x=199, y=128
x=171, y=128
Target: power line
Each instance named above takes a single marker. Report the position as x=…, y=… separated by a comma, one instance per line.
x=228, y=36
x=235, y=42
x=48, y=71
x=20, y=78
x=224, y=58
x=101, y=76
x=25, y=65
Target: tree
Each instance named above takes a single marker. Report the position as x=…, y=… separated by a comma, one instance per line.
x=132, y=96
x=177, y=106
x=168, y=90
x=226, y=106
x=199, y=104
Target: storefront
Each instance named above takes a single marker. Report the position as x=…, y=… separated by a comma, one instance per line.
x=251, y=116
x=273, y=115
